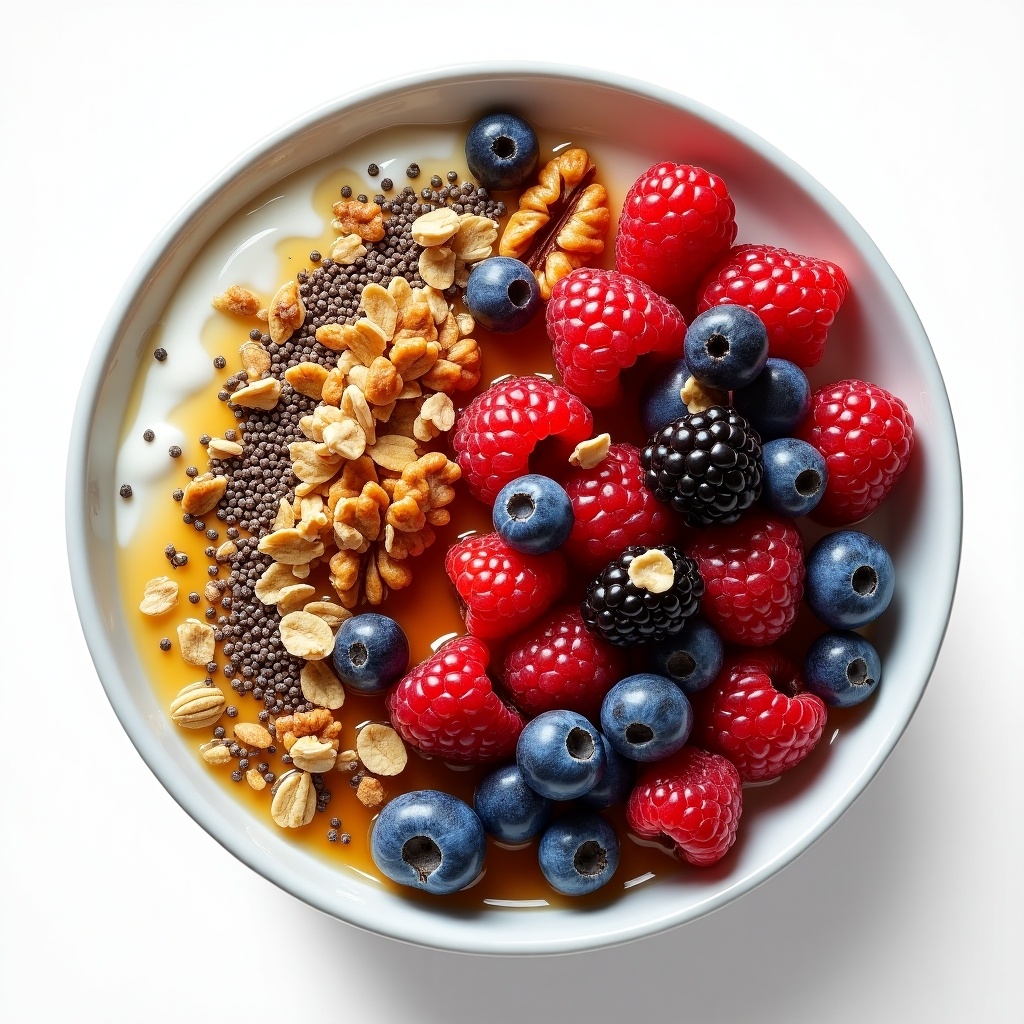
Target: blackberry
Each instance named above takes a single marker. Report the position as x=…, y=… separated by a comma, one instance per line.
x=645, y=594
x=706, y=465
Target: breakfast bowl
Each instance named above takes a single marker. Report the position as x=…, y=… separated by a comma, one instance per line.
x=241, y=230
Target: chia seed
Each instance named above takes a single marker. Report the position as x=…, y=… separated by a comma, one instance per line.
x=160, y=355
x=412, y=171
x=346, y=191
x=220, y=362
x=125, y=491
x=372, y=170
x=255, y=334
x=193, y=598
x=315, y=257
x=435, y=181
x=452, y=176
x=180, y=559
x=231, y=711
x=191, y=472
x=386, y=184
x=165, y=644
x=174, y=451
x=148, y=435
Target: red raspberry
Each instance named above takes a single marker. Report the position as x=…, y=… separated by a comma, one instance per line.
x=502, y=589
x=614, y=510
x=558, y=663
x=499, y=430
x=693, y=797
x=600, y=322
x=797, y=297
x=757, y=715
x=447, y=707
x=676, y=221
x=753, y=574
x=865, y=435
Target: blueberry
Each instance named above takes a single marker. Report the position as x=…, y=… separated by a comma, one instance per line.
x=533, y=514
x=660, y=403
x=509, y=810
x=502, y=294
x=842, y=668
x=502, y=151
x=616, y=784
x=726, y=346
x=578, y=853
x=794, y=476
x=646, y=717
x=776, y=403
x=691, y=659
x=371, y=652
x=560, y=755
x=850, y=579
x=428, y=840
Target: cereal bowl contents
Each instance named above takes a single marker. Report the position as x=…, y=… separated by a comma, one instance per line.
x=282, y=525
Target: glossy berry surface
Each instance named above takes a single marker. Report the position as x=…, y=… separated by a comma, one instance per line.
x=561, y=755
x=706, y=465
x=794, y=478
x=558, y=663
x=850, y=579
x=777, y=400
x=757, y=714
x=371, y=652
x=501, y=589
x=866, y=436
x=726, y=347
x=753, y=575
x=797, y=297
x=533, y=514
x=695, y=798
x=502, y=151
x=508, y=809
x=616, y=784
x=646, y=717
x=691, y=659
x=660, y=401
x=676, y=221
x=501, y=429
x=600, y=322
x=613, y=510
x=842, y=668
x=623, y=612
x=446, y=707
x=578, y=853
x=428, y=840
x=502, y=294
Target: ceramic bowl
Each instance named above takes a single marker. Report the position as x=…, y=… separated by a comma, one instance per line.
x=877, y=336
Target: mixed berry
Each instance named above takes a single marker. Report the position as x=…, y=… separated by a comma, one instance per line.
x=666, y=686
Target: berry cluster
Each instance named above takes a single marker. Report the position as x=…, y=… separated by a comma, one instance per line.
x=662, y=690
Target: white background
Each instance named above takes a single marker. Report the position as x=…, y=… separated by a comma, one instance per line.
x=909, y=909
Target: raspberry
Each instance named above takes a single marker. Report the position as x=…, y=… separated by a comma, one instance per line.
x=865, y=435
x=500, y=429
x=695, y=798
x=757, y=715
x=676, y=221
x=599, y=323
x=558, y=663
x=797, y=297
x=613, y=510
x=626, y=605
x=753, y=577
x=446, y=707
x=502, y=589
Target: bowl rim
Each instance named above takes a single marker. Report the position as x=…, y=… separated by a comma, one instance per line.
x=76, y=513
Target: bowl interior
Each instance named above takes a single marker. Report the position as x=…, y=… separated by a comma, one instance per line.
x=877, y=337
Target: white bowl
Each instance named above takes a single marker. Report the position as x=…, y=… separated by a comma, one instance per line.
x=877, y=332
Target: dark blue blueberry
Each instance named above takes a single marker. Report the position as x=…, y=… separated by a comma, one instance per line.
x=646, y=717
x=660, y=402
x=691, y=659
x=794, y=477
x=502, y=294
x=533, y=514
x=578, y=853
x=726, y=347
x=850, y=579
x=429, y=840
x=776, y=403
x=371, y=652
x=502, y=151
x=509, y=810
x=842, y=668
x=560, y=755
x=616, y=784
